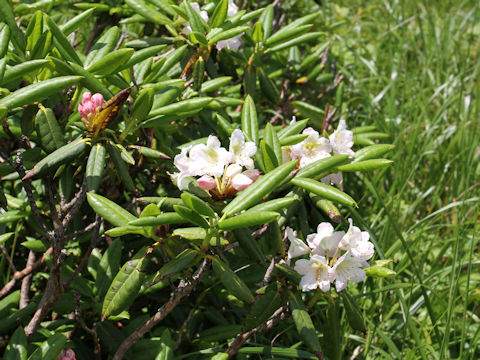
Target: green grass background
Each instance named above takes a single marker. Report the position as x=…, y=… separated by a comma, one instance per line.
x=412, y=69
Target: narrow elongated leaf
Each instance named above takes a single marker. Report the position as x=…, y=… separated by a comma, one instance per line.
x=292, y=129
x=23, y=69
x=195, y=104
x=107, y=209
x=108, y=267
x=196, y=22
x=372, y=152
x=285, y=34
x=298, y=40
x=248, y=218
x=326, y=191
x=180, y=262
x=232, y=281
x=125, y=286
x=119, y=163
x=321, y=166
x=219, y=14
x=4, y=40
x=6, y=14
x=191, y=216
x=274, y=205
x=249, y=120
x=354, y=316
x=17, y=346
x=197, y=205
x=62, y=43
x=95, y=165
x=148, y=12
x=111, y=62
x=163, y=219
x=272, y=141
x=48, y=130
x=303, y=322
x=104, y=45
x=75, y=22
x=60, y=156
x=39, y=91
x=227, y=34
x=331, y=340
x=249, y=244
x=263, y=308
x=261, y=187
x=49, y=349
x=293, y=139
x=366, y=165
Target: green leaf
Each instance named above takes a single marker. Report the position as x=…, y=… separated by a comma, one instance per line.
x=195, y=104
x=111, y=62
x=4, y=238
x=372, y=152
x=266, y=19
x=288, y=272
x=35, y=245
x=248, y=244
x=275, y=204
x=261, y=187
x=248, y=218
x=4, y=40
x=321, y=166
x=143, y=105
x=39, y=91
x=23, y=69
x=226, y=34
x=326, y=191
x=191, y=216
x=148, y=12
x=309, y=110
x=366, y=165
x=6, y=14
x=95, y=166
x=292, y=129
x=354, y=316
x=219, y=14
x=268, y=87
x=231, y=281
x=75, y=22
x=292, y=139
x=197, y=205
x=327, y=207
x=215, y=84
x=17, y=346
x=303, y=322
x=263, y=308
x=119, y=163
x=196, y=22
x=108, y=267
x=125, y=286
x=286, y=33
x=60, y=156
x=126, y=230
x=272, y=142
x=331, y=340
x=49, y=349
x=163, y=219
x=379, y=272
x=61, y=42
x=257, y=35
x=249, y=120
x=180, y=262
x=48, y=130
x=107, y=209
x=104, y=45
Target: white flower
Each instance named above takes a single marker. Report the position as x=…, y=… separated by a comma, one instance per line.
x=313, y=148
x=347, y=268
x=342, y=140
x=287, y=154
x=241, y=182
x=186, y=166
x=242, y=151
x=357, y=242
x=325, y=241
x=203, y=14
x=297, y=246
x=315, y=273
x=236, y=42
x=210, y=159
x=332, y=179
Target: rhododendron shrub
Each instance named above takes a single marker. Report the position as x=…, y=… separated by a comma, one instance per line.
x=176, y=182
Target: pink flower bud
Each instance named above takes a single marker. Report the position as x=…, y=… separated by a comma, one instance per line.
x=90, y=104
x=206, y=182
x=68, y=354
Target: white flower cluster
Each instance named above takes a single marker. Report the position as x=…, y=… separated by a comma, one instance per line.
x=233, y=43
x=221, y=171
x=335, y=256
x=316, y=147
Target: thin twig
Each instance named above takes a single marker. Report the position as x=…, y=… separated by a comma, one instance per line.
x=83, y=262
x=184, y=289
x=21, y=274
x=25, y=288
x=241, y=338
x=78, y=233
x=93, y=331
x=9, y=259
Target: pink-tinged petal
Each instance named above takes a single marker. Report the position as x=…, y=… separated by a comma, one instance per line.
x=97, y=100
x=252, y=174
x=206, y=182
x=241, y=182
x=86, y=97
